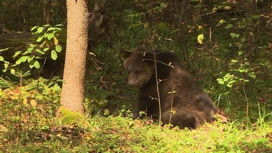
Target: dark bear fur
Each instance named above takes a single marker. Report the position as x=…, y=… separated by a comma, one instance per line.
x=183, y=103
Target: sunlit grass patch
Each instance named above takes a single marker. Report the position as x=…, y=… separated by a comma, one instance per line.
x=128, y=135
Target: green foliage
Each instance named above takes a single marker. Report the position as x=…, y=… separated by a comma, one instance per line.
x=26, y=110
x=1, y=57
x=149, y=32
x=96, y=97
x=5, y=83
x=118, y=134
x=97, y=103
x=48, y=39
x=122, y=134
x=240, y=72
x=35, y=55
x=264, y=116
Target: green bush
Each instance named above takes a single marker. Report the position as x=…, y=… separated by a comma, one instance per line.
x=27, y=110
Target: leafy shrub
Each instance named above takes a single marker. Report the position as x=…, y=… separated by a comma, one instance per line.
x=36, y=54
x=25, y=110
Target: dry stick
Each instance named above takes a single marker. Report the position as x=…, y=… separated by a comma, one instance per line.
x=247, y=105
x=171, y=107
x=159, y=62
x=244, y=95
x=157, y=86
x=172, y=111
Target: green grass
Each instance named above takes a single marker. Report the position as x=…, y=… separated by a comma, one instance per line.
x=121, y=134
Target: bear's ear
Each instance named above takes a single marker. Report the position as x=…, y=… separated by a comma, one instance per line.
x=125, y=53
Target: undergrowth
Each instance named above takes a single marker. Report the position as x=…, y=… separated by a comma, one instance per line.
x=29, y=124
x=122, y=134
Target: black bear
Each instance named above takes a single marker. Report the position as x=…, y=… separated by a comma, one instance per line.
x=182, y=102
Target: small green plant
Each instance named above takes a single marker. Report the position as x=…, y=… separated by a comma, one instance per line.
x=26, y=110
x=240, y=73
x=1, y=57
x=263, y=115
x=48, y=39
x=97, y=102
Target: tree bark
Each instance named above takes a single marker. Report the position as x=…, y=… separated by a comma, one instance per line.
x=46, y=11
x=75, y=60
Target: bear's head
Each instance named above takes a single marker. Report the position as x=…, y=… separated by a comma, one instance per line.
x=140, y=67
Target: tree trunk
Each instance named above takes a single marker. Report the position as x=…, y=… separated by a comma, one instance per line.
x=75, y=60
x=46, y=11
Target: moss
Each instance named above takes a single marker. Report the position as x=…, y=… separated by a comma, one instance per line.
x=68, y=117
